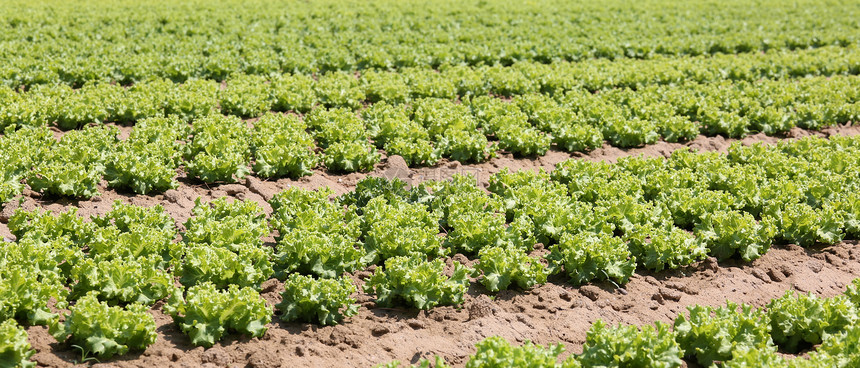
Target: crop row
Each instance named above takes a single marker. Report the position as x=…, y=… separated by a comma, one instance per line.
x=597, y=221
x=217, y=148
x=732, y=336
x=250, y=96
x=53, y=41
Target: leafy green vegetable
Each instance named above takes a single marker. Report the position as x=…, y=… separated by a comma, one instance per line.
x=104, y=330
x=245, y=96
x=311, y=210
x=628, y=346
x=25, y=293
x=803, y=225
x=495, y=351
x=711, y=334
x=323, y=301
x=372, y=187
x=226, y=224
x=475, y=221
x=795, y=319
x=588, y=256
x=730, y=232
x=662, y=247
x=293, y=93
x=347, y=157
x=219, y=149
x=838, y=350
x=206, y=314
x=502, y=266
x=15, y=350
x=245, y=265
x=75, y=165
x=148, y=159
x=282, y=147
x=121, y=281
x=400, y=228
x=46, y=226
x=749, y=358
x=325, y=255
x=418, y=283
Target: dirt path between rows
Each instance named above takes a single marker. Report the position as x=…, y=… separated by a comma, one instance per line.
x=555, y=312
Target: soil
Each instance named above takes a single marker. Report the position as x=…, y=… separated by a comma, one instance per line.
x=552, y=313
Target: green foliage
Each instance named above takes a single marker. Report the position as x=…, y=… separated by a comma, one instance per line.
x=761, y=359
x=226, y=224
x=466, y=146
x=55, y=256
x=330, y=126
x=418, y=283
x=148, y=159
x=588, y=256
x=121, y=281
x=192, y=99
x=853, y=292
x=74, y=166
x=25, y=292
x=104, y=330
x=347, y=157
x=243, y=264
x=205, y=314
x=502, y=266
x=838, y=350
x=372, y=187
x=711, y=334
x=246, y=96
x=495, y=351
x=46, y=226
x=15, y=350
x=517, y=136
x=293, y=93
x=797, y=319
x=323, y=301
x=322, y=254
x=398, y=228
x=630, y=133
x=415, y=151
x=388, y=87
x=805, y=226
x=475, y=221
x=127, y=217
x=111, y=243
x=312, y=210
x=339, y=89
x=664, y=247
x=219, y=149
x=678, y=129
x=573, y=137
x=20, y=150
x=728, y=233
x=628, y=346
x=282, y=147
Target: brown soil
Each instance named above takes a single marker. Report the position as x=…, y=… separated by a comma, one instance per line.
x=555, y=312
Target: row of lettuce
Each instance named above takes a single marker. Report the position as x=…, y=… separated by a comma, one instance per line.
x=218, y=148
x=596, y=221
x=730, y=336
x=824, y=330
x=54, y=42
x=252, y=95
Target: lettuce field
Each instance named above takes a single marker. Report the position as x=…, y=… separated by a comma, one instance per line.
x=485, y=183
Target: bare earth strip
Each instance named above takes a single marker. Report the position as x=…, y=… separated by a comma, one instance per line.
x=556, y=312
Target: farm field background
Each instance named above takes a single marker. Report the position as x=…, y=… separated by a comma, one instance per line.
x=351, y=183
